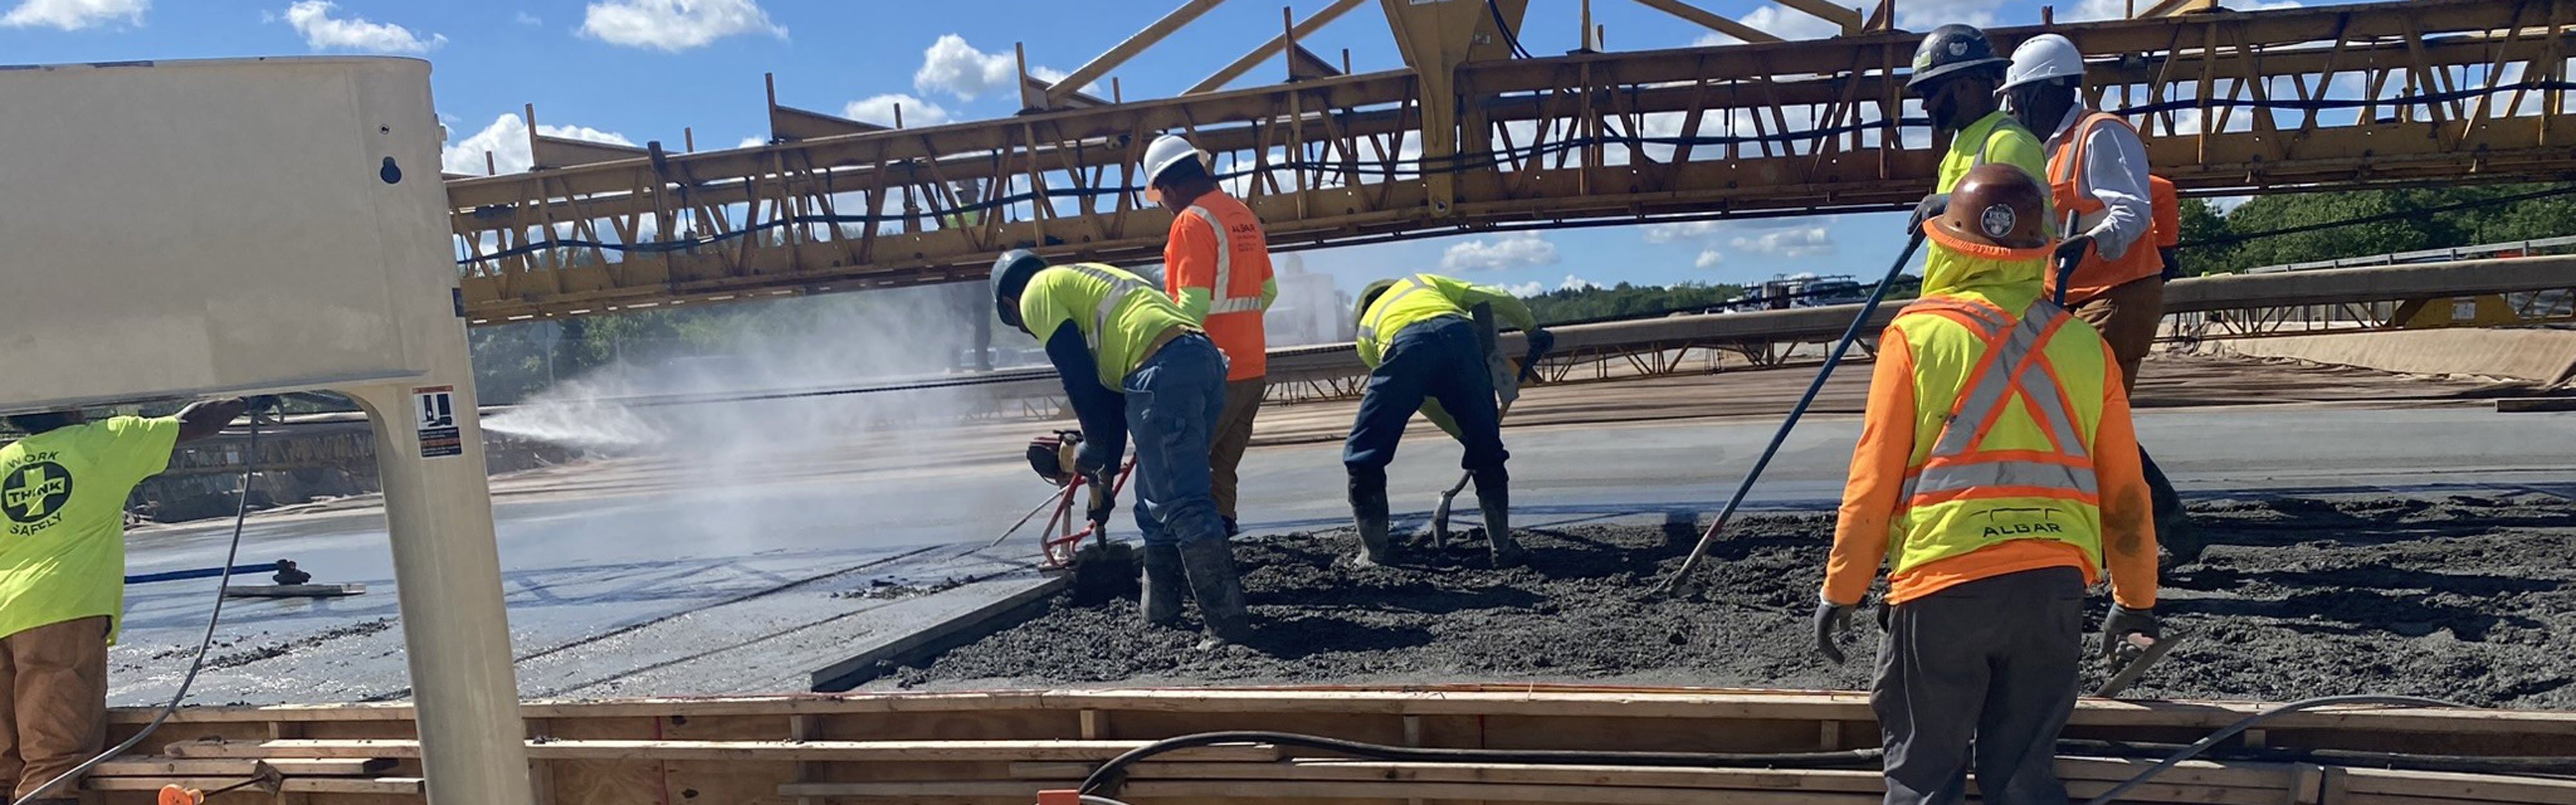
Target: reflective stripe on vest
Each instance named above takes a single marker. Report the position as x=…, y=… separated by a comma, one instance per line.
x=1386, y=301
x=2066, y=192
x=1222, y=298
x=1119, y=289
x=2013, y=368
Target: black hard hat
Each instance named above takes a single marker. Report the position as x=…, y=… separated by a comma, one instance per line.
x=1011, y=273
x=1951, y=49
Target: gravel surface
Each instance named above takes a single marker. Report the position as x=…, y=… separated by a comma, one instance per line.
x=2464, y=598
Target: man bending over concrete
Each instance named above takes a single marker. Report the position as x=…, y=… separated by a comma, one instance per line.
x=1423, y=352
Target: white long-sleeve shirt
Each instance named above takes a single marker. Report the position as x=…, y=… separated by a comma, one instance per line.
x=2115, y=173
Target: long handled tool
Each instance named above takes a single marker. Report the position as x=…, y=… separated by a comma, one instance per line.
x=2137, y=654
x=1440, y=513
x=1680, y=577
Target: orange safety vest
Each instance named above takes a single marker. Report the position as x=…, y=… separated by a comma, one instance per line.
x=2168, y=204
x=2065, y=180
x=1236, y=276
x=2012, y=461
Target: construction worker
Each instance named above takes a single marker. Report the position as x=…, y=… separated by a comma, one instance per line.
x=1423, y=352
x=1216, y=265
x=1131, y=361
x=2097, y=168
x=1955, y=73
x=1996, y=476
x=62, y=579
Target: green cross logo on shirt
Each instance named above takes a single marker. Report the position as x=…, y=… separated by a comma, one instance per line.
x=35, y=491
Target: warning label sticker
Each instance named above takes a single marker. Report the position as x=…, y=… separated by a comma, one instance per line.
x=434, y=416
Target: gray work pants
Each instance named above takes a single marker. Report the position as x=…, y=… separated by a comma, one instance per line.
x=1988, y=665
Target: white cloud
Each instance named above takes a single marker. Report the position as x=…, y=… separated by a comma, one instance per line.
x=675, y=25
x=321, y=31
x=2119, y=9
x=1805, y=241
x=1514, y=250
x=1780, y=22
x=73, y=15
x=526, y=18
x=507, y=141
x=1924, y=15
x=1686, y=230
x=1527, y=289
x=950, y=65
x=879, y=110
x=1709, y=258
x=1574, y=283
x=751, y=142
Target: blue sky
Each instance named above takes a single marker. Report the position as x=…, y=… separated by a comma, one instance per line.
x=637, y=70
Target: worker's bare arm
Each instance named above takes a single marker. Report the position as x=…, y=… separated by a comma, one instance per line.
x=205, y=418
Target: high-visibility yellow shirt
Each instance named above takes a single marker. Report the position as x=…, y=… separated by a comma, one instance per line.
x=62, y=494
x=1118, y=313
x=1423, y=297
x=1993, y=138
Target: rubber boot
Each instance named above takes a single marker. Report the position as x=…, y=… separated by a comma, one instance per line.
x=1368, y=512
x=1493, y=492
x=1164, y=582
x=2173, y=524
x=1220, y=593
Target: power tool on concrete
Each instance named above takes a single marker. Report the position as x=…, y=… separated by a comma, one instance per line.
x=1072, y=540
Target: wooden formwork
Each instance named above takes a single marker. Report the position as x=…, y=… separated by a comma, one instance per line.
x=1002, y=747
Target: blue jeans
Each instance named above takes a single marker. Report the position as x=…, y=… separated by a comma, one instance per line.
x=1173, y=402
x=1440, y=359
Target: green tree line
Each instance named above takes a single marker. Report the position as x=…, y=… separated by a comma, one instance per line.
x=2526, y=219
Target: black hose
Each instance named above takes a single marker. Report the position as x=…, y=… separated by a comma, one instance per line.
x=2230, y=731
x=241, y=514
x=1107, y=778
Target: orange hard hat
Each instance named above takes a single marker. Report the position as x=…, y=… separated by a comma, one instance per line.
x=1997, y=206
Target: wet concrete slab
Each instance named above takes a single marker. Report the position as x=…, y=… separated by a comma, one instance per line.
x=637, y=578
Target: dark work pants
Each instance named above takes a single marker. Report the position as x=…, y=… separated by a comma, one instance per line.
x=1988, y=665
x=1173, y=400
x=1438, y=359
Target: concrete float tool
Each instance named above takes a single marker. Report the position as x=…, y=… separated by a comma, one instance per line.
x=292, y=581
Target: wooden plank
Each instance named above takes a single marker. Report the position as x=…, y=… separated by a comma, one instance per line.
x=2449, y=785
x=982, y=788
x=668, y=751
x=228, y=767
x=300, y=785
x=2189, y=789
x=1600, y=795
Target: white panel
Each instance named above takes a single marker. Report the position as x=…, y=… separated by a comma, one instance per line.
x=180, y=228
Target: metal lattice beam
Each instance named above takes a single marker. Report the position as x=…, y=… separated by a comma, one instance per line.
x=2277, y=101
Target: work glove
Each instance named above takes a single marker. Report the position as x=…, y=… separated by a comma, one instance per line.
x=1541, y=341
x=2173, y=263
x=1929, y=208
x=2071, y=250
x=1832, y=620
x=2123, y=622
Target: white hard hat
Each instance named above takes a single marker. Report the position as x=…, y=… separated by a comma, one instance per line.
x=1169, y=150
x=2041, y=58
